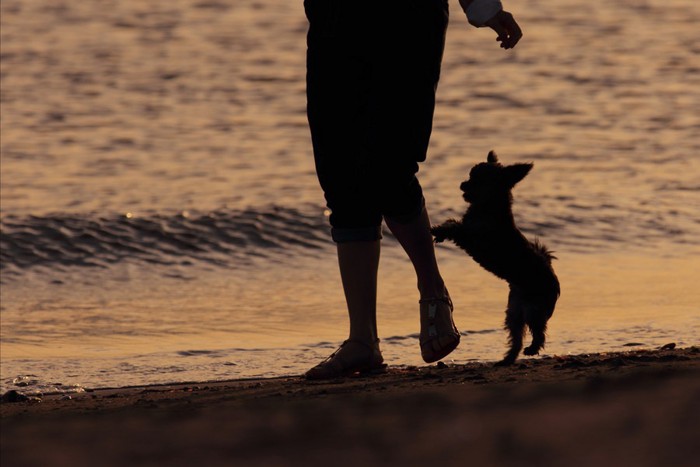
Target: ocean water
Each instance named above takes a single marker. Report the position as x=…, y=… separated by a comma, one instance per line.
x=161, y=220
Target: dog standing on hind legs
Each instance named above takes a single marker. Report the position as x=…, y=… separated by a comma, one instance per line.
x=487, y=232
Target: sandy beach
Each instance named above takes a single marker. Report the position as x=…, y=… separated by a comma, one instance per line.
x=633, y=408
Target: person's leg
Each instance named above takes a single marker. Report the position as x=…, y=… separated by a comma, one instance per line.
x=416, y=240
x=439, y=335
x=359, y=262
x=408, y=67
x=338, y=78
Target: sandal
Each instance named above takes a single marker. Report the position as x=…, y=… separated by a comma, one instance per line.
x=438, y=334
x=338, y=364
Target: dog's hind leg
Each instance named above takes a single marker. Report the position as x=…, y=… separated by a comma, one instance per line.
x=515, y=325
x=537, y=328
x=536, y=317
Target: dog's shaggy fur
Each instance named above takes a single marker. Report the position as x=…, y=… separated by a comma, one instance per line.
x=487, y=232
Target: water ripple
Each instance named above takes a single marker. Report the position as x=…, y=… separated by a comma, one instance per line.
x=218, y=237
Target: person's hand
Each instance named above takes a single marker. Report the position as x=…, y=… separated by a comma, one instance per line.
x=509, y=33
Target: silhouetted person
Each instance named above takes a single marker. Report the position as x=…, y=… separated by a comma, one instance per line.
x=372, y=71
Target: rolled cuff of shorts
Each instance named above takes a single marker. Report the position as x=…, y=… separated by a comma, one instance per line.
x=361, y=234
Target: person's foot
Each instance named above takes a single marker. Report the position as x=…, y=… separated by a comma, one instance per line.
x=438, y=334
x=353, y=356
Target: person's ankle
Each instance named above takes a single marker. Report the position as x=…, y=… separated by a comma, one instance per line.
x=436, y=290
x=368, y=340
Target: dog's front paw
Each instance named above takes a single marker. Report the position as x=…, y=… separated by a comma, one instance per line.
x=443, y=231
x=439, y=233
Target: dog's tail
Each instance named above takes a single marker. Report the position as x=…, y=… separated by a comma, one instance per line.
x=543, y=251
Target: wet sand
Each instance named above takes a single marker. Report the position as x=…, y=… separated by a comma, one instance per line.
x=634, y=408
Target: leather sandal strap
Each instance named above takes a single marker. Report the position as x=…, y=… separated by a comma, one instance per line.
x=364, y=343
x=445, y=299
x=337, y=359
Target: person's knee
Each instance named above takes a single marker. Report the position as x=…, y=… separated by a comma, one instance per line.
x=403, y=202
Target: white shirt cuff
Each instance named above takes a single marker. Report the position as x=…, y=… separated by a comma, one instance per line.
x=480, y=11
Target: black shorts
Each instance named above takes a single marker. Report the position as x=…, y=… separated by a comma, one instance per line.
x=372, y=71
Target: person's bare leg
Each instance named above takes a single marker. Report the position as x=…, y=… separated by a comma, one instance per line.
x=416, y=240
x=359, y=262
x=438, y=336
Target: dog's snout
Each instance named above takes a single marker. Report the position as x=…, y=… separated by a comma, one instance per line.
x=464, y=186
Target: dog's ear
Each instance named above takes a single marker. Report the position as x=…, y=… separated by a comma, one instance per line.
x=516, y=172
x=492, y=158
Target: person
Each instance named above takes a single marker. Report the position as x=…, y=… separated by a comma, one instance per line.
x=372, y=73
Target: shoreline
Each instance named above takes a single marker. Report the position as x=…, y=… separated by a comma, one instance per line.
x=539, y=368
x=581, y=409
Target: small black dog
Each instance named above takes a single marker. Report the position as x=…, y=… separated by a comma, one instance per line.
x=488, y=234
